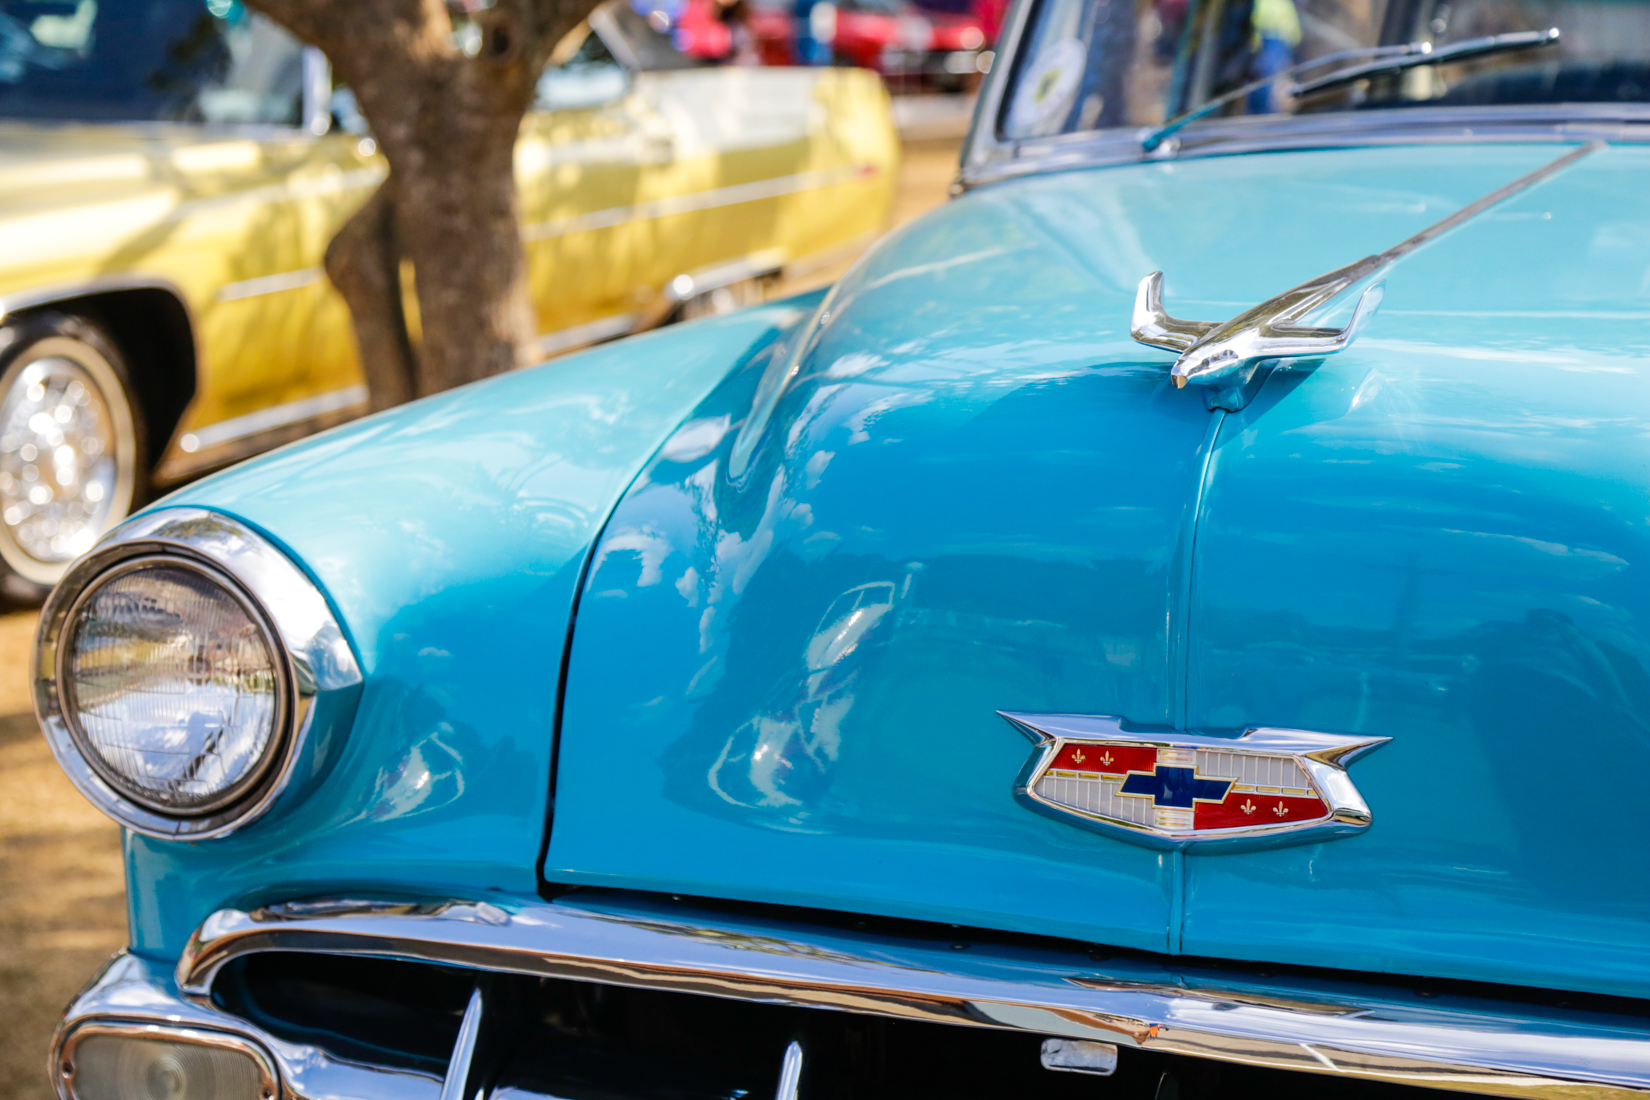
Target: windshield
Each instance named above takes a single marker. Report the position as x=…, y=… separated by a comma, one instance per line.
x=147, y=60
x=1093, y=64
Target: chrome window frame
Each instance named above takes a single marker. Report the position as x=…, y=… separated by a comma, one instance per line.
x=313, y=655
x=63, y=1052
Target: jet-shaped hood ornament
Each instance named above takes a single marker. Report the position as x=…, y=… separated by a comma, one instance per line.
x=1226, y=356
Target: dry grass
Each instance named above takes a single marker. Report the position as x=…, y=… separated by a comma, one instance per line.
x=62, y=896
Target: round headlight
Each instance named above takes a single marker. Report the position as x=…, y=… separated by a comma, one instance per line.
x=172, y=686
x=178, y=670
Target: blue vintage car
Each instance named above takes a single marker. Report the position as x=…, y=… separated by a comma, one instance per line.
x=1175, y=615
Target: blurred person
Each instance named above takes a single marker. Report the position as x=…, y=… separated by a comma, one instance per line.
x=1171, y=20
x=814, y=27
x=735, y=15
x=1275, y=32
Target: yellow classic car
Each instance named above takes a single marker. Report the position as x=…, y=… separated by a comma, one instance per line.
x=172, y=170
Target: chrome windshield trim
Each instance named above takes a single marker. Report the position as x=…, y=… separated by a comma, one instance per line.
x=1307, y=1024
x=990, y=161
x=983, y=145
x=318, y=661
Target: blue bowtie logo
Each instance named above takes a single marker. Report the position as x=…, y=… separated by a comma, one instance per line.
x=1176, y=787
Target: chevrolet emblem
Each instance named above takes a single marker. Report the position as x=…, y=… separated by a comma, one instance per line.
x=1167, y=789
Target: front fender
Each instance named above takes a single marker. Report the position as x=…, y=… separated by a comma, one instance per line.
x=458, y=610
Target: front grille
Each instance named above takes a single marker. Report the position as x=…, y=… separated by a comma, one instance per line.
x=545, y=1037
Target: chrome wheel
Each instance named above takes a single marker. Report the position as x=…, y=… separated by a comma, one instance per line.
x=67, y=455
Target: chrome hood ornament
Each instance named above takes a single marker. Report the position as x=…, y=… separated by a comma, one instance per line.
x=1227, y=357
x=1172, y=790
x=1216, y=353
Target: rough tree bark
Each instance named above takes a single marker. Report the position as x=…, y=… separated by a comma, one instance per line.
x=447, y=123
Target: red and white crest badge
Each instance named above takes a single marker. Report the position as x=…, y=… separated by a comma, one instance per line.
x=1166, y=789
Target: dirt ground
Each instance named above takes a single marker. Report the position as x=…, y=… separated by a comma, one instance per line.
x=62, y=898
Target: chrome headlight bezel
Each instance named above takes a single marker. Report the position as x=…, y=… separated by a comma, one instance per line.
x=309, y=651
x=285, y=696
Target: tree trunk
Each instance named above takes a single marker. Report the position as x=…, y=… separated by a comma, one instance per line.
x=363, y=262
x=447, y=123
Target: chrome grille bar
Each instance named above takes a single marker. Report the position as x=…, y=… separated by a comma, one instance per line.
x=1304, y=1024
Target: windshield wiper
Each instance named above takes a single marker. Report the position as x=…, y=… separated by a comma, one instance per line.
x=1456, y=51
x=1372, y=60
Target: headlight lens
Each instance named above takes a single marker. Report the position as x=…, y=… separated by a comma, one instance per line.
x=171, y=686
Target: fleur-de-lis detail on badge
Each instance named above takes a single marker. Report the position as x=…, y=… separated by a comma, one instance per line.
x=1078, y=757
x=1105, y=758
x=1248, y=807
x=1281, y=810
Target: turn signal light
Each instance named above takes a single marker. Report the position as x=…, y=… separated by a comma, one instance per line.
x=103, y=1062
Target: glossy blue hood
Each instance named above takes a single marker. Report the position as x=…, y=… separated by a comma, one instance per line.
x=450, y=536
x=977, y=493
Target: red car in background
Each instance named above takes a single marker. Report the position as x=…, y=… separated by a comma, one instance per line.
x=698, y=30
x=912, y=47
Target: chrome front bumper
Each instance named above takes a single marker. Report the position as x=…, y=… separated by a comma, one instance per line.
x=1307, y=1024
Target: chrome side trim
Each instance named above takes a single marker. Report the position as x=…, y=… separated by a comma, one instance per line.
x=277, y=416
x=731, y=195
x=180, y=465
x=67, y=1042
x=269, y=284
x=1311, y=1025
x=577, y=336
x=768, y=263
x=317, y=659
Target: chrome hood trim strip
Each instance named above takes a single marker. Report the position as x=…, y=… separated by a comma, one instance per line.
x=1311, y=1025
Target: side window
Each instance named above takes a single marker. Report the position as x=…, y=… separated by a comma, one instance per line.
x=586, y=76
x=147, y=60
x=261, y=79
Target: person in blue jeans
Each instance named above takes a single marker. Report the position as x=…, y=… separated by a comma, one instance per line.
x=1276, y=32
